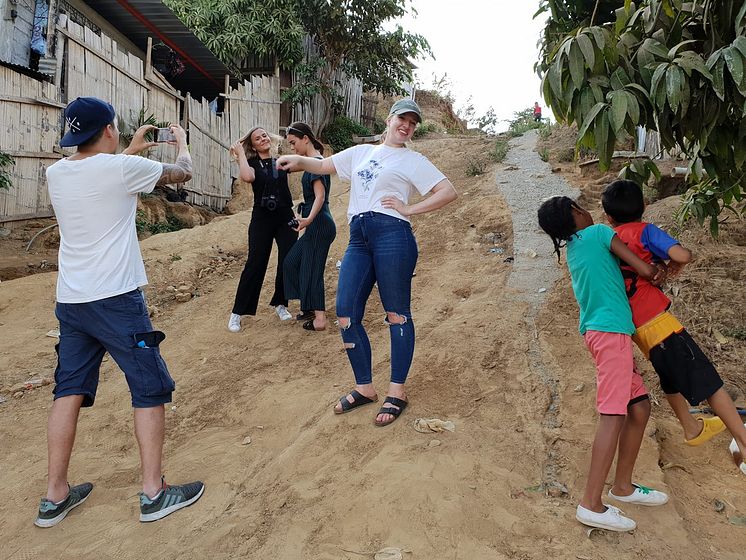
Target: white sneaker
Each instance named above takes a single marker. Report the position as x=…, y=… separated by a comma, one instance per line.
x=737, y=457
x=234, y=323
x=283, y=313
x=612, y=519
x=642, y=496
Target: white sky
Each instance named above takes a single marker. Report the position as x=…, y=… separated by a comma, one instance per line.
x=487, y=48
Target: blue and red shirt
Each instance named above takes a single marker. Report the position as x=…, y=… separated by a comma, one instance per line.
x=651, y=244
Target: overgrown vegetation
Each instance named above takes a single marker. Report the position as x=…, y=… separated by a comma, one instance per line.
x=6, y=161
x=172, y=223
x=425, y=128
x=523, y=121
x=476, y=165
x=340, y=131
x=668, y=65
x=499, y=150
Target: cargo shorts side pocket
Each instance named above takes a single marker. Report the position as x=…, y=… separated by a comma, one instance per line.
x=156, y=380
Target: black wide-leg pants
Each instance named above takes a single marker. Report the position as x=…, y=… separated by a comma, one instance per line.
x=265, y=227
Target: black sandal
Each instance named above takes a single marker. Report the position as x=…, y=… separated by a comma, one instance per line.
x=308, y=325
x=395, y=412
x=305, y=315
x=359, y=400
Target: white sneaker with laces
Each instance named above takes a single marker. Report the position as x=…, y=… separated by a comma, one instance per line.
x=283, y=313
x=642, y=496
x=612, y=519
x=234, y=323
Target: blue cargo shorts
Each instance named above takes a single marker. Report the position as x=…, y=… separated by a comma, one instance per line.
x=119, y=325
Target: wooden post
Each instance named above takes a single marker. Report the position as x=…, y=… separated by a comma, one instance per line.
x=226, y=101
x=59, y=54
x=149, y=58
x=51, y=24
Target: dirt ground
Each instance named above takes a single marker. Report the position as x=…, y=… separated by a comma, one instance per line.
x=312, y=485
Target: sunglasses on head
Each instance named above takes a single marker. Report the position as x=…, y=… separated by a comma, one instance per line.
x=299, y=133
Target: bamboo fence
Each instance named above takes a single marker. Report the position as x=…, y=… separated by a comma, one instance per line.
x=30, y=126
x=95, y=65
x=349, y=89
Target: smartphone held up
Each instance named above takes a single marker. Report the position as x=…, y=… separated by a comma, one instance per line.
x=164, y=135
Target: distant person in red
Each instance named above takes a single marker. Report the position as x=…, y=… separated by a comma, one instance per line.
x=537, y=112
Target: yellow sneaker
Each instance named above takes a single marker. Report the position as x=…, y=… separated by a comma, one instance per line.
x=710, y=428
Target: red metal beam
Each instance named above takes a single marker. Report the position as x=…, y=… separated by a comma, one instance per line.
x=167, y=41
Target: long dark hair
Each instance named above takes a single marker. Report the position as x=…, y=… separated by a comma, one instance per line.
x=557, y=221
x=301, y=129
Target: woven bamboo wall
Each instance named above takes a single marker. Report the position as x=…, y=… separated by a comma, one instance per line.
x=349, y=88
x=30, y=121
x=254, y=103
x=209, y=140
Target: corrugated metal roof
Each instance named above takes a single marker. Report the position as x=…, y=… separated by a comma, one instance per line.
x=25, y=70
x=204, y=73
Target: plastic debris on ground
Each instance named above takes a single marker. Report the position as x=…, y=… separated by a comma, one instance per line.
x=428, y=425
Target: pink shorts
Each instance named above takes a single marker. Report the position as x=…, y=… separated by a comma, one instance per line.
x=618, y=382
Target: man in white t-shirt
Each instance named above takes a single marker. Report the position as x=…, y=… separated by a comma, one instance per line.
x=99, y=304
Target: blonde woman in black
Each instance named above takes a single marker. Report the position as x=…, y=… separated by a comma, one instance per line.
x=270, y=218
x=304, y=265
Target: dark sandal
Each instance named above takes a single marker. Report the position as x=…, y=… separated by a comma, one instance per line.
x=305, y=315
x=395, y=412
x=358, y=400
x=308, y=325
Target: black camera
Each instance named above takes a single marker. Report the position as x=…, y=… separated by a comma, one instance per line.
x=293, y=223
x=269, y=201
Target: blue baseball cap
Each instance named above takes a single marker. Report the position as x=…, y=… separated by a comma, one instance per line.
x=84, y=117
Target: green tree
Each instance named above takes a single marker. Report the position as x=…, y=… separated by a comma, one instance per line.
x=351, y=36
x=235, y=29
x=672, y=66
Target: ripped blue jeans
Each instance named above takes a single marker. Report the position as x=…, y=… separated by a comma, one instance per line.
x=382, y=250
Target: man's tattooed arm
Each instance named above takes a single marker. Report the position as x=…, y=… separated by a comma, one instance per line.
x=179, y=172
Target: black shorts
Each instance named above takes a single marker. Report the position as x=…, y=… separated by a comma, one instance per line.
x=683, y=368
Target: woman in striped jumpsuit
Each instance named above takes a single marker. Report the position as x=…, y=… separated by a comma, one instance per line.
x=304, y=265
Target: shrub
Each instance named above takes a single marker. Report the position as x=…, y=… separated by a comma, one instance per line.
x=340, y=131
x=476, y=166
x=498, y=153
x=544, y=154
x=141, y=222
x=172, y=223
x=5, y=161
x=522, y=122
x=545, y=130
x=425, y=128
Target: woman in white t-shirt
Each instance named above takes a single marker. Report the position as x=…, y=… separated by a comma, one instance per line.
x=382, y=247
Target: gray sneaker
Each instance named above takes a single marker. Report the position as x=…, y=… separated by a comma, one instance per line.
x=50, y=513
x=169, y=500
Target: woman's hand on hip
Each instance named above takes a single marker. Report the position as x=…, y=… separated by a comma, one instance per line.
x=394, y=203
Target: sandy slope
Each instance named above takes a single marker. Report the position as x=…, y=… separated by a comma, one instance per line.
x=313, y=485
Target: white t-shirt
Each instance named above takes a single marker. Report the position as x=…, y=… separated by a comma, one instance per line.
x=95, y=201
x=379, y=171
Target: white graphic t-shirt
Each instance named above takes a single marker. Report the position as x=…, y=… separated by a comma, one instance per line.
x=95, y=201
x=379, y=171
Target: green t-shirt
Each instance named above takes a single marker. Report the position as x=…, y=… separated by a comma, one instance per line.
x=597, y=282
